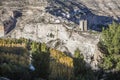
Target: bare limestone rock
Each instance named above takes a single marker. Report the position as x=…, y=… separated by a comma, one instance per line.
x=56, y=31
x=57, y=36
x=2, y=34
x=103, y=7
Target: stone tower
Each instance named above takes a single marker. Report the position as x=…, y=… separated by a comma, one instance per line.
x=2, y=33
x=83, y=25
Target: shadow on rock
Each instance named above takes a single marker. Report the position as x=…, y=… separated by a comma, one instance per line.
x=74, y=11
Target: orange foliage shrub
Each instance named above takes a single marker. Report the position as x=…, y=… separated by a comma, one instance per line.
x=61, y=66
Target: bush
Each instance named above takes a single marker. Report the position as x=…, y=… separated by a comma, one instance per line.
x=110, y=47
x=41, y=64
x=110, y=39
x=81, y=71
x=61, y=66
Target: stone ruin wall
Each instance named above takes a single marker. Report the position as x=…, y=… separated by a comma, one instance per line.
x=2, y=33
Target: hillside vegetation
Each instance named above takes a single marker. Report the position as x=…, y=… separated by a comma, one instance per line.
x=22, y=59
x=110, y=47
x=50, y=64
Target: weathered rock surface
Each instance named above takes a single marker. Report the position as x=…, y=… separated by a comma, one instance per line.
x=103, y=7
x=57, y=31
x=97, y=12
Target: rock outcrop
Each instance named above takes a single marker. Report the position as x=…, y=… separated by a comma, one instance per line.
x=103, y=7
x=35, y=20
x=97, y=12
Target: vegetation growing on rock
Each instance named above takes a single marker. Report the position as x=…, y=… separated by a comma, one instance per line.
x=49, y=63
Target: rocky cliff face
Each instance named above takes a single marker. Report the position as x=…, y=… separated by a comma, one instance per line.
x=103, y=7
x=55, y=22
x=97, y=12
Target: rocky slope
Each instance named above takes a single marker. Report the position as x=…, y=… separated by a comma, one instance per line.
x=103, y=7
x=53, y=22
x=97, y=12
